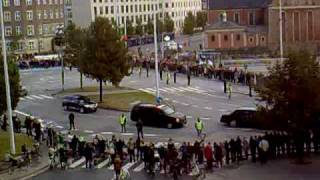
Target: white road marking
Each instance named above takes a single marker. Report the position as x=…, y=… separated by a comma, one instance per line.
x=150, y=89
x=189, y=117
x=195, y=106
x=170, y=90
x=22, y=99
x=205, y=118
x=88, y=131
x=105, y=133
x=77, y=163
x=222, y=110
x=111, y=167
x=45, y=96
x=37, y=97
x=59, y=127
x=139, y=168
x=161, y=89
x=103, y=163
x=208, y=108
x=185, y=104
x=174, y=101
x=147, y=91
x=28, y=97
x=177, y=89
x=128, y=165
x=127, y=134
x=150, y=135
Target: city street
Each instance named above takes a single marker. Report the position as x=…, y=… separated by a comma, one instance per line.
x=204, y=99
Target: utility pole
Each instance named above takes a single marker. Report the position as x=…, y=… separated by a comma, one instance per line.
x=7, y=83
x=156, y=53
x=281, y=30
x=162, y=50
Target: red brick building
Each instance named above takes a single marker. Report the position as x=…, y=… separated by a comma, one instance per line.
x=245, y=24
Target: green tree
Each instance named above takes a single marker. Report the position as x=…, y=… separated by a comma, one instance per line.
x=291, y=92
x=139, y=27
x=130, y=28
x=201, y=19
x=14, y=78
x=189, y=24
x=105, y=56
x=149, y=26
x=75, y=39
x=168, y=24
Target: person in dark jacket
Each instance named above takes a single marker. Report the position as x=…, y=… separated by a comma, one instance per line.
x=227, y=148
x=71, y=121
x=88, y=154
x=28, y=125
x=233, y=150
x=253, y=148
x=74, y=145
x=139, y=126
x=239, y=149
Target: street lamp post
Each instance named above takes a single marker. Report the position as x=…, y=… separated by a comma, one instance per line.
x=281, y=30
x=156, y=54
x=7, y=83
x=59, y=42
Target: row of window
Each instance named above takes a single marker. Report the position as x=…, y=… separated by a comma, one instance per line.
x=238, y=38
x=236, y=18
x=45, y=14
x=176, y=4
x=7, y=3
x=29, y=45
x=44, y=29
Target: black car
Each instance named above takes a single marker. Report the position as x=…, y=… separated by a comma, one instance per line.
x=157, y=115
x=242, y=117
x=79, y=103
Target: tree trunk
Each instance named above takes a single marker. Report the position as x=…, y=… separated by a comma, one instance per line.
x=100, y=90
x=81, y=81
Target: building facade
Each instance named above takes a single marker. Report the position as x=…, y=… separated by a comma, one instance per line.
x=259, y=24
x=85, y=11
x=31, y=24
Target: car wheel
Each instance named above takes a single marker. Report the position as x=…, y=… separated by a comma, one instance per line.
x=66, y=108
x=169, y=125
x=81, y=110
x=233, y=123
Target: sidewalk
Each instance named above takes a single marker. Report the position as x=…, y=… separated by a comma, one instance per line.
x=37, y=166
x=279, y=169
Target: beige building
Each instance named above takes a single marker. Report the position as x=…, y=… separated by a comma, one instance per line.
x=32, y=23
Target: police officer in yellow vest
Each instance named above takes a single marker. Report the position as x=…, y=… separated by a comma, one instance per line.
x=123, y=122
x=199, y=126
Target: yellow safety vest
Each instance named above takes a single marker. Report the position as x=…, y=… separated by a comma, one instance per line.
x=199, y=125
x=122, y=120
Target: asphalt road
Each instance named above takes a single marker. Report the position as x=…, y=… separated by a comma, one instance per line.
x=204, y=99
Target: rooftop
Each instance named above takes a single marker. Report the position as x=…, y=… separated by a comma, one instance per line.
x=238, y=4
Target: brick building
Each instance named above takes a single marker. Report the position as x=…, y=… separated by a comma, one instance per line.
x=32, y=23
x=245, y=24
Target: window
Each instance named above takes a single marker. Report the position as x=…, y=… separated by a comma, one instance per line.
x=225, y=37
x=6, y=3
x=122, y=9
x=44, y=1
x=251, y=18
x=38, y=2
x=45, y=29
x=7, y=16
x=262, y=39
x=45, y=15
x=40, y=44
x=167, y=5
x=18, y=30
x=17, y=2
x=17, y=16
x=29, y=15
x=172, y=5
x=213, y=38
x=101, y=10
x=111, y=10
x=127, y=9
x=8, y=31
x=31, y=45
x=62, y=13
x=238, y=37
x=50, y=1
x=106, y=9
x=251, y=39
x=57, y=13
x=30, y=30
x=236, y=18
x=40, y=29
x=29, y=2
x=310, y=25
x=51, y=14
x=39, y=15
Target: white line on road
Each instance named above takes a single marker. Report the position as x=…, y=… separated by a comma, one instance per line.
x=106, y=133
x=45, y=96
x=28, y=97
x=150, y=135
x=37, y=97
x=185, y=104
x=127, y=134
x=161, y=89
x=22, y=99
x=77, y=163
x=189, y=117
x=88, y=131
x=103, y=163
x=139, y=168
x=128, y=165
x=208, y=108
x=177, y=89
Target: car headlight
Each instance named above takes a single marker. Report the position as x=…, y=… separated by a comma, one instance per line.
x=177, y=120
x=87, y=106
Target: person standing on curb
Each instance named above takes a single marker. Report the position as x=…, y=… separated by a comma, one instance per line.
x=199, y=127
x=71, y=122
x=123, y=122
x=117, y=166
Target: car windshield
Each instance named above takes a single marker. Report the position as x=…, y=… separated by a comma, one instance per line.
x=85, y=99
x=167, y=109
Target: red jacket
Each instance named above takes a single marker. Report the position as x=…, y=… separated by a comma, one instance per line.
x=208, y=154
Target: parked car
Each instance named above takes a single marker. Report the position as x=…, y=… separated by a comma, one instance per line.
x=79, y=103
x=242, y=117
x=157, y=115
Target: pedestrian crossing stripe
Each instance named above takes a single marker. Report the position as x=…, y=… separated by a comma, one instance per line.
x=22, y=99
x=150, y=89
x=37, y=97
x=177, y=89
x=45, y=96
x=28, y=97
x=128, y=165
x=170, y=89
x=139, y=167
x=77, y=163
x=161, y=89
x=103, y=163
